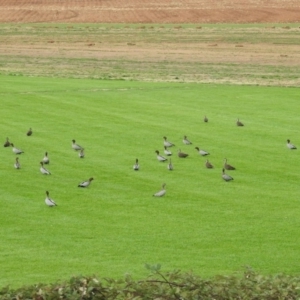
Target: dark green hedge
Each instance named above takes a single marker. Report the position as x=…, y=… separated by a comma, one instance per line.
x=160, y=286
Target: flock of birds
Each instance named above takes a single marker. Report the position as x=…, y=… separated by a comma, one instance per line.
x=46, y=161
x=167, y=152
x=167, y=144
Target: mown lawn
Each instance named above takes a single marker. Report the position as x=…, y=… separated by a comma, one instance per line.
x=115, y=226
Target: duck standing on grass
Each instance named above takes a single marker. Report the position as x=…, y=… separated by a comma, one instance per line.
x=226, y=177
x=44, y=170
x=16, y=150
x=162, y=192
x=201, y=152
x=86, y=183
x=239, y=123
x=167, y=143
x=75, y=146
x=160, y=157
x=290, y=145
x=186, y=141
x=170, y=166
x=46, y=160
x=7, y=143
x=49, y=201
x=17, y=164
x=208, y=165
x=182, y=154
x=167, y=151
x=81, y=153
x=136, y=166
x=228, y=166
x=29, y=132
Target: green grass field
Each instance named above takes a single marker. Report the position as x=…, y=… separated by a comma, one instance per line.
x=115, y=226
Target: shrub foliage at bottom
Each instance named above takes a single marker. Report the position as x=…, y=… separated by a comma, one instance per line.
x=159, y=285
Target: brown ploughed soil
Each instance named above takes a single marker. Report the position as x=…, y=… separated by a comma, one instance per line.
x=153, y=11
x=165, y=40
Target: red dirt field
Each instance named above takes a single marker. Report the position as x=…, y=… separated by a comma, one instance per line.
x=154, y=11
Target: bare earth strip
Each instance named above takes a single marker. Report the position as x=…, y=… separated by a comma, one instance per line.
x=49, y=45
x=154, y=11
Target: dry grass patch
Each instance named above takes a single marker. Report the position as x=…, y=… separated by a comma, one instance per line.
x=216, y=54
